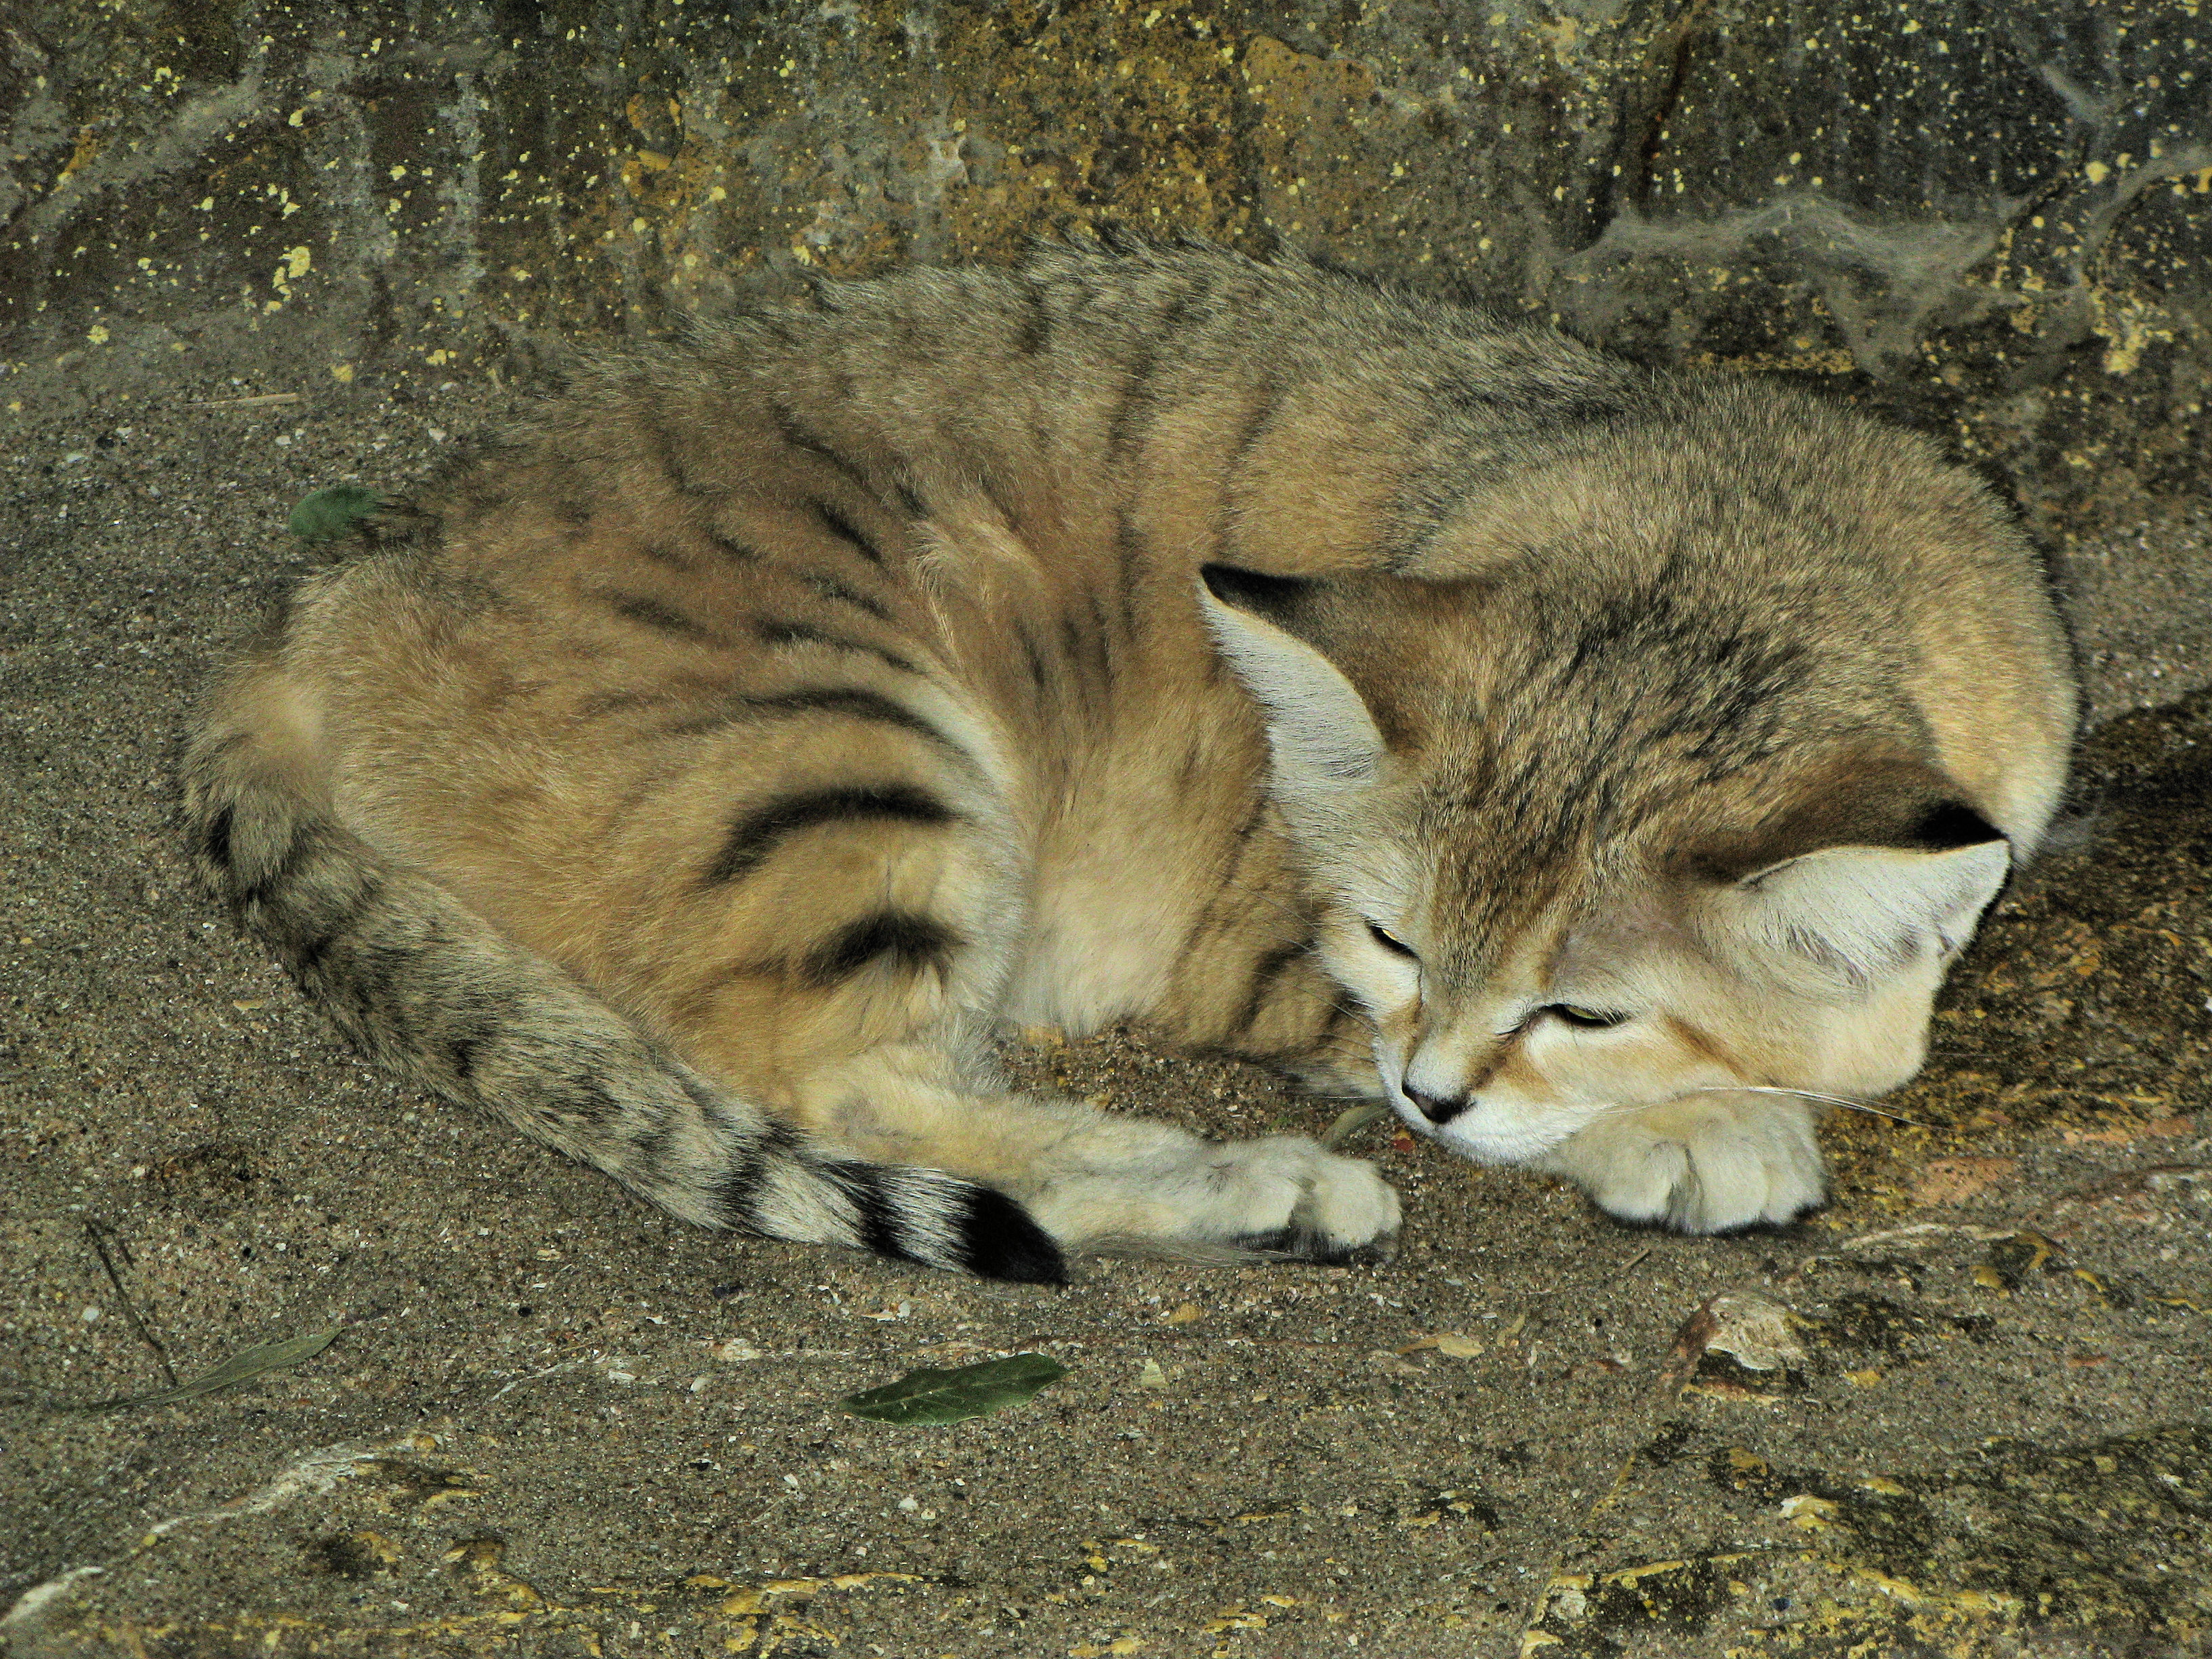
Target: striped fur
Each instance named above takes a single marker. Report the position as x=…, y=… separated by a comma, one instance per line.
x=697, y=775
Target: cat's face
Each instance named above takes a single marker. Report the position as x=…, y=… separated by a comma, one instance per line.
x=1546, y=928
x=1599, y=1003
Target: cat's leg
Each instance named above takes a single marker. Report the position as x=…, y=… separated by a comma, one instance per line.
x=1705, y=1163
x=1088, y=1176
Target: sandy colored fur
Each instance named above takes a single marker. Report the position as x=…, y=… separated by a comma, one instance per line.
x=818, y=693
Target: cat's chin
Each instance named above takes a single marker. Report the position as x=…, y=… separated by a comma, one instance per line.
x=1508, y=1144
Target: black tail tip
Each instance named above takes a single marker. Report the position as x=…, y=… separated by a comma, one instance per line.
x=998, y=1240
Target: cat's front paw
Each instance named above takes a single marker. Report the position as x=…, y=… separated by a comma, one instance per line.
x=1287, y=1196
x=1703, y=1165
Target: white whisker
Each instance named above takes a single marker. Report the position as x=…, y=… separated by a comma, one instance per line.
x=1809, y=1094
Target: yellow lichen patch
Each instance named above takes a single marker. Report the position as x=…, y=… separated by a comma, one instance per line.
x=1642, y=1570
x=1234, y=1617
x=1829, y=359
x=295, y=264
x=2128, y=326
x=1811, y=1512
x=481, y=1557
x=88, y=147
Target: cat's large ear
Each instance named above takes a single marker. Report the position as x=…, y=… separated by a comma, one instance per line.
x=1318, y=727
x=1868, y=910
x=1876, y=863
x=1861, y=912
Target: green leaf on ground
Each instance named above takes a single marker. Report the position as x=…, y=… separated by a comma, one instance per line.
x=242, y=1366
x=327, y=514
x=929, y=1395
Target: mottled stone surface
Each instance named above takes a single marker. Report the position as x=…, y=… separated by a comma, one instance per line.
x=1995, y=216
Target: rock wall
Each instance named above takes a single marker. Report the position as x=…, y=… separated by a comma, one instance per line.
x=1990, y=215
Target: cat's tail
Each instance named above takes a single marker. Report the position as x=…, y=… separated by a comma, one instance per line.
x=434, y=994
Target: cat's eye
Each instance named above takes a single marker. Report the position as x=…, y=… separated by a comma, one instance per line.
x=1389, y=942
x=1588, y=1020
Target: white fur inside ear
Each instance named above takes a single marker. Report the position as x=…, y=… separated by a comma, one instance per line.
x=1318, y=727
x=1867, y=910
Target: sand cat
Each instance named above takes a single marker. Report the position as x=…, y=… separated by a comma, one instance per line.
x=1431, y=707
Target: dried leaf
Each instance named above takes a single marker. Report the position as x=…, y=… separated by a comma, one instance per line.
x=928, y=1396
x=241, y=1367
x=1151, y=1377
x=1350, y=1123
x=1755, y=1332
x=1752, y=1330
x=1382, y=1359
x=327, y=514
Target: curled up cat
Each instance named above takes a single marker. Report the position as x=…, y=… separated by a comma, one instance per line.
x=1577, y=757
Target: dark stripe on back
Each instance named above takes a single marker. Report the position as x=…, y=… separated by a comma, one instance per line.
x=1037, y=321
x=802, y=437
x=1073, y=653
x=1035, y=657
x=730, y=547
x=1134, y=408
x=846, y=530
x=856, y=705
x=753, y=837
x=792, y=633
x=1101, y=637
x=601, y=705
x=1258, y=422
x=1128, y=555
x=830, y=588
x=671, y=463
x=899, y=939
x=664, y=619
x=1201, y=926
x=853, y=705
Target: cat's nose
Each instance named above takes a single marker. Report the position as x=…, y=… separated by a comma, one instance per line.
x=1435, y=1110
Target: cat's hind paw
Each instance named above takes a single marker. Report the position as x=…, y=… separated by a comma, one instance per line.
x=1709, y=1164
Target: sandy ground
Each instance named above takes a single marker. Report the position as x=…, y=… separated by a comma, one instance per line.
x=1962, y=1411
